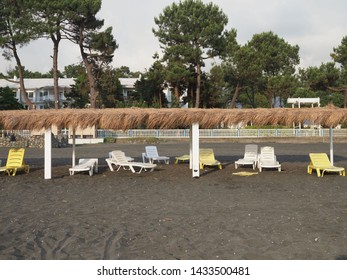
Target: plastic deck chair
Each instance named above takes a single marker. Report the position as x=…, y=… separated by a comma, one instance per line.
x=152, y=155
x=207, y=158
x=321, y=163
x=119, y=160
x=267, y=159
x=85, y=164
x=250, y=157
x=15, y=162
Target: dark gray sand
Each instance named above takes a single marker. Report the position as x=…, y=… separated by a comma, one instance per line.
x=167, y=214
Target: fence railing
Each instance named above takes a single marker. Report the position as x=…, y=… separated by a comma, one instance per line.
x=220, y=133
x=204, y=133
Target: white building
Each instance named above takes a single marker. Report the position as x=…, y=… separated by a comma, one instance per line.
x=40, y=91
x=128, y=85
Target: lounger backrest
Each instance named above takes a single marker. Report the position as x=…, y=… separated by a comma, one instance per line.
x=267, y=154
x=119, y=156
x=15, y=157
x=151, y=151
x=320, y=159
x=207, y=154
x=251, y=152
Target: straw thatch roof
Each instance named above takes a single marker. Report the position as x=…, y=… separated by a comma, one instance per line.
x=167, y=118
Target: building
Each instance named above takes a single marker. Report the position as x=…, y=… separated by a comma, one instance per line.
x=128, y=85
x=40, y=91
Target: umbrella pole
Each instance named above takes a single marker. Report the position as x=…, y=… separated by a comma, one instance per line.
x=331, y=146
x=73, y=147
x=194, y=150
x=48, y=153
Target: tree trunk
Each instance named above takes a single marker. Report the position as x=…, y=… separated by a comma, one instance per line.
x=56, y=42
x=175, y=98
x=24, y=93
x=89, y=67
x=235, y=96
x=198, y=84
x=345, y=103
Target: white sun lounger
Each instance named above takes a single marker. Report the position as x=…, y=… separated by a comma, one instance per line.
x=250, y=157
x=85, y=164
x=119, y=160
x=152, y=155
x=110, y=155
x=267, y=159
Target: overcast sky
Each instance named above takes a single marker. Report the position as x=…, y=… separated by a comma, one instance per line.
x=317, y=26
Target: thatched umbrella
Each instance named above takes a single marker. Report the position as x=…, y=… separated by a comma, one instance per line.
x=166, y=118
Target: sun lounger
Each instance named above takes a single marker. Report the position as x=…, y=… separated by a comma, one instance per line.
x=250, y=157
x=207, y=159
x=152, y=155
x=182, y=158
x=110, y=155
x=267, y=159
x=321, y=163
x=119, y=160
x=85, y=164
x=15, y=162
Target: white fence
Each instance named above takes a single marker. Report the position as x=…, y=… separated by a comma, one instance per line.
x=204, y=133
x=219, y=133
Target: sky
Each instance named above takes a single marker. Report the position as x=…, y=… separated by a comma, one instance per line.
x=316, y=26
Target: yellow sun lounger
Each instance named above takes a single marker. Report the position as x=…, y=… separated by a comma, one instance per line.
x=182, y=158
x=321, y=163
x=207, y=158
x=15, y=161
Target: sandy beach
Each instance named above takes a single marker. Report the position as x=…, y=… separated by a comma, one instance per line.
x=167, y=214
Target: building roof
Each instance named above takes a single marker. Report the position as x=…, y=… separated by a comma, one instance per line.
x=128, y=82
x=38, y=83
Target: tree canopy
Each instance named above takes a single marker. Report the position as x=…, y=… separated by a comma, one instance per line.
x=191, y=32
x=262, y=72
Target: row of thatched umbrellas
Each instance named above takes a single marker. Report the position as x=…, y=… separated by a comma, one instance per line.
x=129, y=118
x=167, y=118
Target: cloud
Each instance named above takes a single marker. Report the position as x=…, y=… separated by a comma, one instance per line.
x=317, y=26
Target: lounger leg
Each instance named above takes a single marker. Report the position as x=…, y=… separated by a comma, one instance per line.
x=318, y=172
x=133, y=170
x=110, y=165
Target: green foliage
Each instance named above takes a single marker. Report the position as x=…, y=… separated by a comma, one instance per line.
x=340, y=53
x=110, y=88
x=8, y=100
x=149, y=89
x=79, y=95
x=190, y=32
x=275, y=55
x=32, y=75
